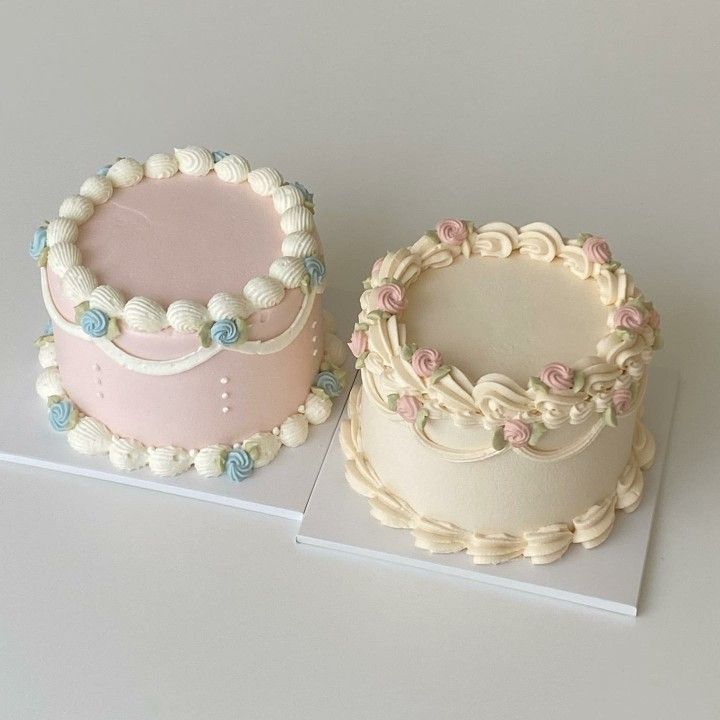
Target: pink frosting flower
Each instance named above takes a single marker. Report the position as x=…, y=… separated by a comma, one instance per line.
x=407, y=407
x=516, y=432
x=390, y=297
x=622, y=399
x=557, y=376
x=358, y=343
x=654, y=319
x=376, y=265
x=597, y=250
x=629, y=318
x=452, y=232
x=425, y=361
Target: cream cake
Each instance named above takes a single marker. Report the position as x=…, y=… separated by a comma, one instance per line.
x=503, y=375
x=187, y=329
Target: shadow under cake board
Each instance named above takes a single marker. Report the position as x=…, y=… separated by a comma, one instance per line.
x=281, y=488
x=607, y=577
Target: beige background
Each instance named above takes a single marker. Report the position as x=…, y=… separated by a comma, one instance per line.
x=598, y=116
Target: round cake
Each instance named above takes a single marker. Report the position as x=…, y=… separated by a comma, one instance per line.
x=503, y=376
x=186, y=317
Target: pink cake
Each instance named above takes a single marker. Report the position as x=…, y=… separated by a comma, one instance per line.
x=187, y=323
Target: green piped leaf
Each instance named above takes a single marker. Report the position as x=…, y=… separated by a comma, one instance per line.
x=440, y=373
x=658, y=342
x=81, y=309
x=319, y=392
x=408, y=351
x=578, y=381
x=112, y=330
x=421, y=419
x=610, y=417
x=53, y=399
x=252, y=448
x=43, y=340
x=536, y=384
x=367, y=284
x=538, y=430
x=305, y=285
x=377, y=315
x=392, y=401
x=360, y=362
x=362, y=327
x=612, y=266
x=42, y=258
x=204, y=335
x=498, y=439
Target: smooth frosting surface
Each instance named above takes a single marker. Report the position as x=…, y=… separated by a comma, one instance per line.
x=181, y=237
x=512, y=315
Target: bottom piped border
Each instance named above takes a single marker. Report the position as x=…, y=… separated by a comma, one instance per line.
x=90, y=436
x=541, y=546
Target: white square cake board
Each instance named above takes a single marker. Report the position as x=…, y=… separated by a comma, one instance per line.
x=281, y=488
x=607, y=577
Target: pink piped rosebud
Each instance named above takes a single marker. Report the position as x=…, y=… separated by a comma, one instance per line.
x=654, y=319
x=425, y=361
x=622, y=399
x=597, y=250
x=390, y=297
x=407, y=407
x=358, y=343
x=557, y=376
x=452, y=232
x=517, y=433
x=629, y=318
x=376, y=265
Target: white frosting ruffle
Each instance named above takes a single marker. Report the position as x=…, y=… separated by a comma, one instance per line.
x=193, y=160
x=89, y=437
x=143, y=314
x=300, y=244
x=187, y=316
x=294, y=430
x=264, y=292
x=107, y=299
x=161, y=166
x=232, y=169
x=126, y=172
x=264, y=181
x=78, y=282
x=290, y=271
x=77, y=208
x=226, y=306
x=97, y=188
x=62, y=257
x=61, y=230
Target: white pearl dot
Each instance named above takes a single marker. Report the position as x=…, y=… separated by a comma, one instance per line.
x=226, y=409
x=224, y=380
x=236, y=446
x=301, y=409
x=225, y=396
x=314, y=338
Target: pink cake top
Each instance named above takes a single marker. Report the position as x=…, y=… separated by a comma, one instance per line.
x=181, y=237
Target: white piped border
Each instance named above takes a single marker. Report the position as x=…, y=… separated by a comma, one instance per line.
x=292, y=203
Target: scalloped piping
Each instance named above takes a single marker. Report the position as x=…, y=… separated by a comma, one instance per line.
x=541, y=546
x=186, y=457
x=186, y=362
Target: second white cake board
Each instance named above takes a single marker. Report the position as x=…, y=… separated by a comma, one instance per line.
x=281, y=488
x=607, y=577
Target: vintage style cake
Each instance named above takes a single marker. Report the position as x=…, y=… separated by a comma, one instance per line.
x=186, y=318
x=503, y=375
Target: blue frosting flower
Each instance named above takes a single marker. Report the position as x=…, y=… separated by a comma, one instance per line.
x=315, y=269
x=94, y=322
x=218, y=155
x=39, y=243
x=103, y=170
x=62, y=415
x=238, y=465
x=48, y=329
x=225, y=332
x=307, y=195
x=328, y=382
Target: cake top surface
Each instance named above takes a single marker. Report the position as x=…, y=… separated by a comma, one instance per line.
x=181, y=237
x=511, y=316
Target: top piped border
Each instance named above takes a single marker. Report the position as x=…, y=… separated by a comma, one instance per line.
x=416, y=384
x=99, y=308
